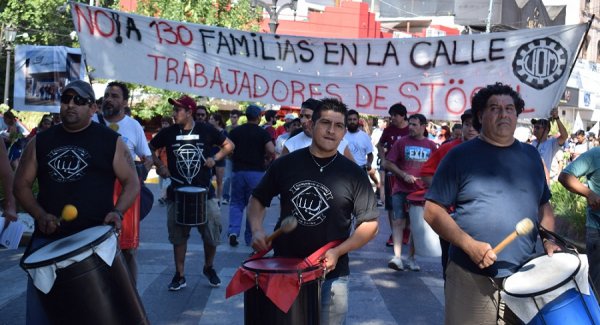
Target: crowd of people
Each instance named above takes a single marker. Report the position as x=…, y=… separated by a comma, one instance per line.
x=351, y=166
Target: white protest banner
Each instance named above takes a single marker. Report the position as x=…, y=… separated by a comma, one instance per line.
x=41, y=72
x=433, y=76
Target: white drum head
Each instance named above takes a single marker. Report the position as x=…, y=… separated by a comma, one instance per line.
x=190, y=189
x=542, y=274
x=64, y=248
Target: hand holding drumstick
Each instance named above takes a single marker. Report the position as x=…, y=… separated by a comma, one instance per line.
x=484, y=255
x=523, y=228
x=260, y=242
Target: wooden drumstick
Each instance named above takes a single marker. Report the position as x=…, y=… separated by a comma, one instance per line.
x=523, y=227
x=287, y=225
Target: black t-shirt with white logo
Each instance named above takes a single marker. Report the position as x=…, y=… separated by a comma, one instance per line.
x=187, y=151
x=322, y=202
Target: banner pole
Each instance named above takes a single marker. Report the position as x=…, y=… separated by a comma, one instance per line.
x=587, y=30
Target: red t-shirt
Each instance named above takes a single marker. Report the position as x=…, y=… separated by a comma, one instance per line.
x=434, y=161
x=409, y=155
x=390, y=135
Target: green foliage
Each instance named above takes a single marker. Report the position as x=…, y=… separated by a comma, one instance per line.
x=41, y=20
x=569, y=206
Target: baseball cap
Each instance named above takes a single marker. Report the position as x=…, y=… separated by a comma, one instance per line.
x=184, y=101
x=467, y=114
x=290, y=116
x=253, y=111
x=82, y=89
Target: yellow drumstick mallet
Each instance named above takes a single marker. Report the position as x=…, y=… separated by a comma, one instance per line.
x=287, y=225
x=69, y=213
x=523, y=227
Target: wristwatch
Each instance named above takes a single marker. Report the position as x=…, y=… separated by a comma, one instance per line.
x=118, y=212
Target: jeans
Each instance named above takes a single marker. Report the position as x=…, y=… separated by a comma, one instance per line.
x=227, y=179
x=334, y=301
x=242, y=184
x=592, y=244
x=34, y=311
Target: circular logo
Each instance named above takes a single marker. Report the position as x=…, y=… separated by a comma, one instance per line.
x=540, y=62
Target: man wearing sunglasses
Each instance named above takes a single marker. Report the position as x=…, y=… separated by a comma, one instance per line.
x=201, y=115
x=75, y=162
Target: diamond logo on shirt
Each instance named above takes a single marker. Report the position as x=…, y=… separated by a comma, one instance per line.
x=310, y=201
x=189, y=161
x=67, y=164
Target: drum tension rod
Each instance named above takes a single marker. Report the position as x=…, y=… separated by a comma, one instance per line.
x=299, y=277
x=256, y=279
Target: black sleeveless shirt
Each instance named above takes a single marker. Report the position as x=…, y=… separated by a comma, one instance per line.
x=76, y=168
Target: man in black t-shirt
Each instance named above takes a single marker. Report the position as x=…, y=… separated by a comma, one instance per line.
x=322, y=194
x=75, y=162
x=189, y=163
x=253, y=150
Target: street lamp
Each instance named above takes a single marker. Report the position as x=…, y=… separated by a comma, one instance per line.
x=10, y=34
x=274, y=11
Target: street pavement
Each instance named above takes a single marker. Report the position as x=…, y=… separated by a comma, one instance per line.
x=378, y=295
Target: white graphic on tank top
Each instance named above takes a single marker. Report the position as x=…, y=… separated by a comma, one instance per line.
x=68, y=163
x=310, y=201
x=189, y=161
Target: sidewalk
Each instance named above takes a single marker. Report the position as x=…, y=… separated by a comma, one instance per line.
x=378, y=295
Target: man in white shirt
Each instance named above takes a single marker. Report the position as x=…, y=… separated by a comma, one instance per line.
x=547, y=145
x=359, y=142
x=113, y=108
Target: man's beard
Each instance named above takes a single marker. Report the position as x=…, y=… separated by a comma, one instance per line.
x=352, y=128
x=110, y=111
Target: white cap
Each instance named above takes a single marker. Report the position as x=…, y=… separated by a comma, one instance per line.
x=290, y=116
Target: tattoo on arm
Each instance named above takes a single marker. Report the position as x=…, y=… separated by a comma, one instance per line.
x=128, y=158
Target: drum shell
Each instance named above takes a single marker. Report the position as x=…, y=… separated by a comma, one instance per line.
x=191, y=206
x=571, y=307
x=427, y=242
x=130, y=226
x=91, y=292
x=306, y=309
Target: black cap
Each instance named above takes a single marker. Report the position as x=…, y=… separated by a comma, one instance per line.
x=82, y=89
x=466, y=115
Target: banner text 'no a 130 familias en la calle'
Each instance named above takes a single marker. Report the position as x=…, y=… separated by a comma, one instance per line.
x=433, y=76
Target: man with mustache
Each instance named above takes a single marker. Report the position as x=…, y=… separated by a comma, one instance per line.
x=492, y=181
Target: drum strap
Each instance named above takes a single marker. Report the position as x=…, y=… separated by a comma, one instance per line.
x=561, y=242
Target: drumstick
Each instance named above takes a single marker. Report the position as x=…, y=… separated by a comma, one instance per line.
x=287, y=225
x=523, y=227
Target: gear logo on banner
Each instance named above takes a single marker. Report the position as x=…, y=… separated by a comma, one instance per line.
x=540, y=63
x=310, y=202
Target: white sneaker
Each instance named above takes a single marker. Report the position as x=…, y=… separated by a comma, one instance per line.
x=412, y=264
x=396, y=264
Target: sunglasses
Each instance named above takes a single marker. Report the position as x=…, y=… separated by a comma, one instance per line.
x=78, y=100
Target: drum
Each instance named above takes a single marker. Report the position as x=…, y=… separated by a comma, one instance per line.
x=83, y=279
x=550, y=288
x=190, y=205
x=427, y=241
x=272, y=274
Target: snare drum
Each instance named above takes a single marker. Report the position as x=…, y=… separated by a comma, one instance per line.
x=551, y=293
x=190, y=205
x=427, y=241
x=83, y=279
x=261, y=301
